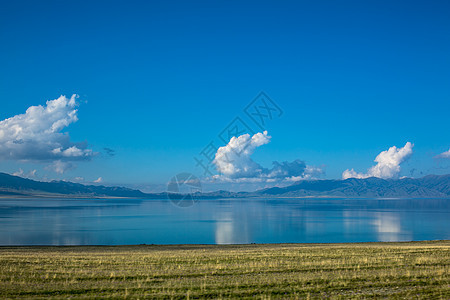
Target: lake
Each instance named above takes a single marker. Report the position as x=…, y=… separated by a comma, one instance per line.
x=221, y=221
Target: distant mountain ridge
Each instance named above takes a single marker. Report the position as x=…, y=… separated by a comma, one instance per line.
x=15, y=185
x=431, y=186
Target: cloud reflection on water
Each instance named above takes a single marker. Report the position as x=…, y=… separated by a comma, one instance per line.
x=388, y=227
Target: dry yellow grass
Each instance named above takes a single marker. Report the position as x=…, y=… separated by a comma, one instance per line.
x=369, y=270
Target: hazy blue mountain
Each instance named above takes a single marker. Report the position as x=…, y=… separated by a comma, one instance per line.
x=428, y=186
x=431, y=186
x=14, y=185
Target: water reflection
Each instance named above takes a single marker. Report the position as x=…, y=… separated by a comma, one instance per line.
x=224, y=230
x=388, y=227
x=225, y=221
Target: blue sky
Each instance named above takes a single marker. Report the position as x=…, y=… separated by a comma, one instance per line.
x=157, y=81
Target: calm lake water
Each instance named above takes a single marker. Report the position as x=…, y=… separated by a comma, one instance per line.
x=131, y=221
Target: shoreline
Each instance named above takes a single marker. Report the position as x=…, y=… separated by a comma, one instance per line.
x=399, y=243
x=164, y=197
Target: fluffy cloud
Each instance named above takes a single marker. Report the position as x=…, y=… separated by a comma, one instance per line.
x=233, y=160
x=36, y=135
x=388, y=163
x=234, y=163
x=445, y=154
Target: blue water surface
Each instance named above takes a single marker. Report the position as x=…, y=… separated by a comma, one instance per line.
x=221, y=221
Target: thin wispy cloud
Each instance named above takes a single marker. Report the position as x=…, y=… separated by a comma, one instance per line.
x=109, y=151
x=445, y=154
x=37, y=135
x=22, y=173
x=60, y=167
x=388, y=163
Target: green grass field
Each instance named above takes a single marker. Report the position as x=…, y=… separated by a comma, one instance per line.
x=369, y=270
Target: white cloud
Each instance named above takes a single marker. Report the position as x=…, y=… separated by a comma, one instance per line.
x=313, y=172
x=445, y=154
x=36, y=135
x=60, y=166
x=233, y=160
x=98, y=180
x=234, y=163
x=388, y=164
x=21, y=173
x=18, y=173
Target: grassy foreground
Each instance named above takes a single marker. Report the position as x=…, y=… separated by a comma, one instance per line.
x=400, y=270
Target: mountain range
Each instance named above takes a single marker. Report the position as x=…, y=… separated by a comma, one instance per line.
x=431, y=186
x=15, y=185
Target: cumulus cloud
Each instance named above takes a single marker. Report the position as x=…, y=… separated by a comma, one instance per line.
x=445, y=154
x=388, y=163
x=233, y=160
x=234, y=163
x=310, y=172
x=286, y=169
x=36, y=135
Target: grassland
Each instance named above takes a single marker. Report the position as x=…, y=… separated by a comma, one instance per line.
x=370, y=270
